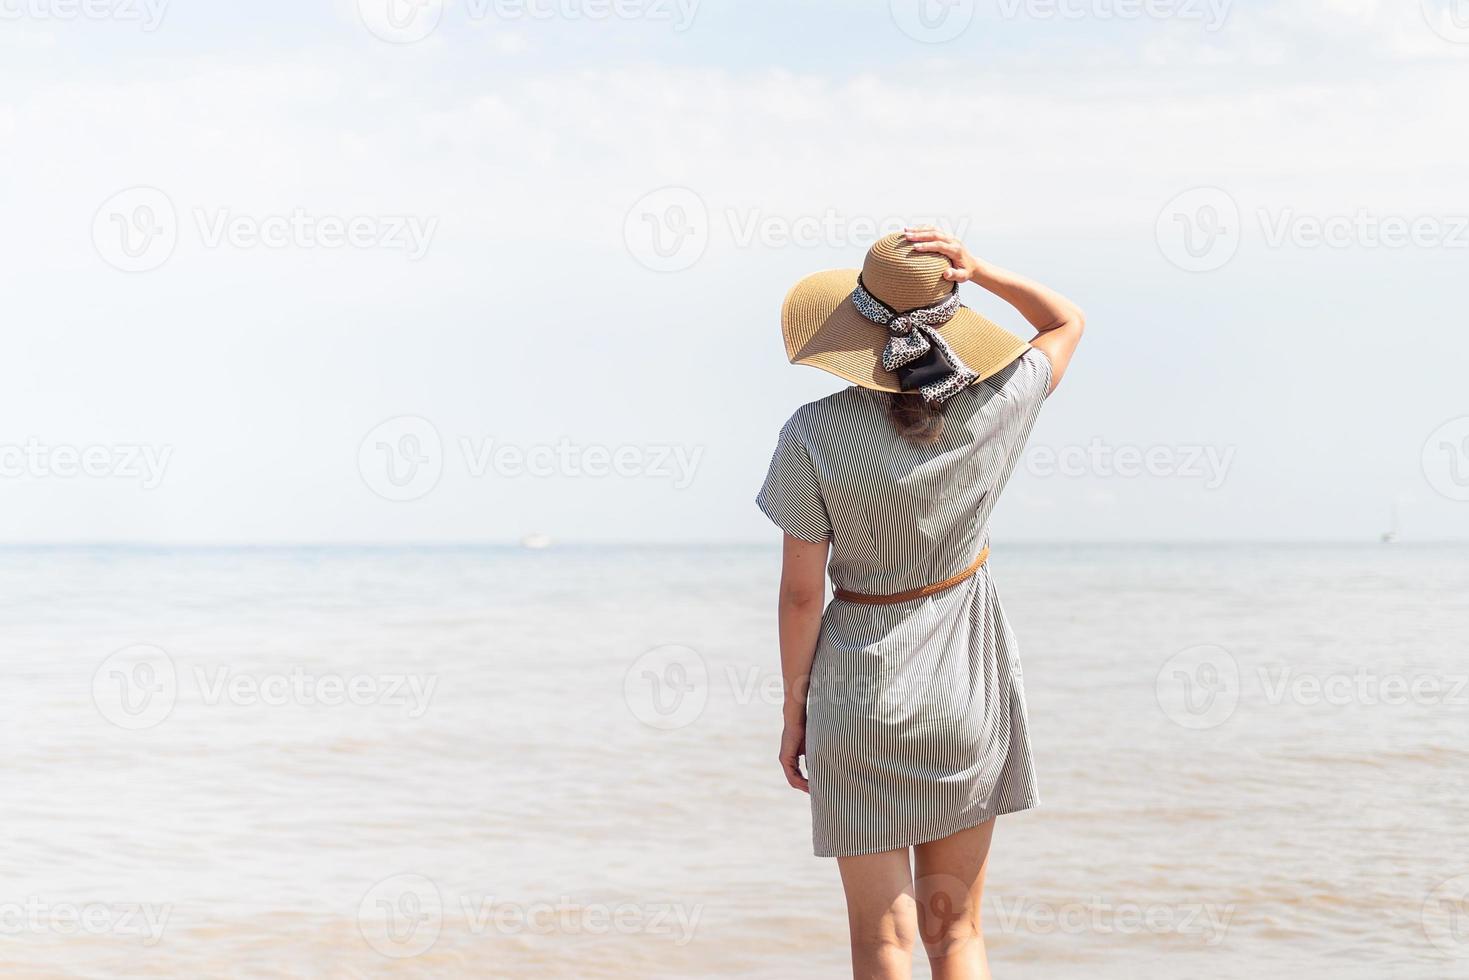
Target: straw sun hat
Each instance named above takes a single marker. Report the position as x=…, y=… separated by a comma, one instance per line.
x=831, y=324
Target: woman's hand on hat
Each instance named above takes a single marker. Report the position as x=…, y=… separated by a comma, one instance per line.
x=926, y=238
x=1058, y=321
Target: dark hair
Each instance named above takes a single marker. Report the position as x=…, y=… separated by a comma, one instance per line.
x=915, y=419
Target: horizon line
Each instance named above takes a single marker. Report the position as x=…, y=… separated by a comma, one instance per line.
x=553, y=545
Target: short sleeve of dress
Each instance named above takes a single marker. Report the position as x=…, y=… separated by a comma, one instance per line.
x=1034, y=380
x=1024, y=392
x=791, y=496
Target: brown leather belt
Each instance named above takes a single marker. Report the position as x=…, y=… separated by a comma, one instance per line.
x=919, y=593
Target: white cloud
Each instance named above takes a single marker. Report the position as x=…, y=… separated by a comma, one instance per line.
x=17, y=38
x=264, y=368
x=509, y=43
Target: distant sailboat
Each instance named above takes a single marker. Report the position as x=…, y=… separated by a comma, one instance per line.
x=536, y=541
x=1392, y=535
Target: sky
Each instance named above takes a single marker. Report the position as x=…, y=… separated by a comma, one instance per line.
x=409, y=271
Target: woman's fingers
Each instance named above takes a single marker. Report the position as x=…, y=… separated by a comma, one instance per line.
x=928, y=239
x=945, y=247
x=794, y=777
x=790, y=762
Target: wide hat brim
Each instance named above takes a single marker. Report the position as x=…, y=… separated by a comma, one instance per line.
x=823, y=329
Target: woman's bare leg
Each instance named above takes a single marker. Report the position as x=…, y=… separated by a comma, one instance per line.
x=880, y=914
x=948, y=887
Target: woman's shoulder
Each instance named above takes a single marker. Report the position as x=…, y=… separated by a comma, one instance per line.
x=836, y=406
x=1028, y=372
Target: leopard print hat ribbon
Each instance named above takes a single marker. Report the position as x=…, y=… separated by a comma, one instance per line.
x=915, y=352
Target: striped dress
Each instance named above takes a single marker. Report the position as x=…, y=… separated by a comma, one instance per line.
x=916, y=714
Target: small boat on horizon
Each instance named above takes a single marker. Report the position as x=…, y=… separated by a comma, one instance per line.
x=536, y=541
x=1394, y=533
